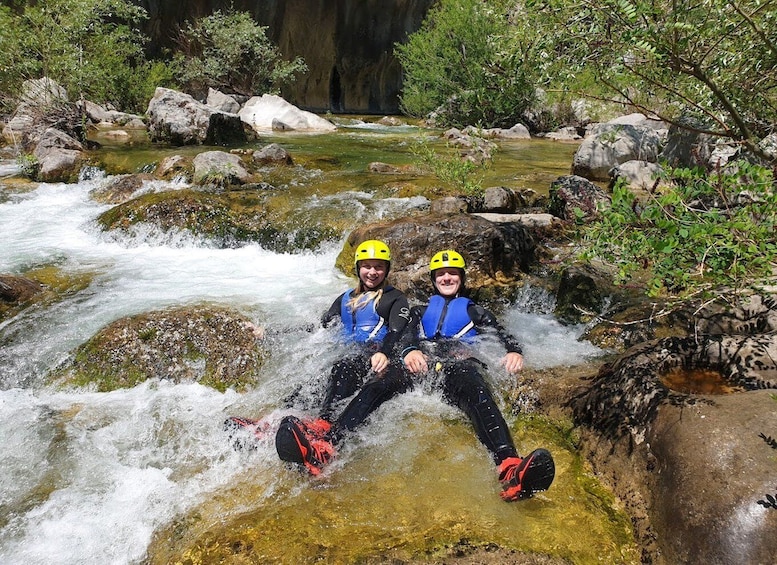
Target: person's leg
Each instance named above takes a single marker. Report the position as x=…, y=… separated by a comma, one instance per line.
x=307, y=442
x=520, y=477
x=344, y=380
x=372, y=394
x=465, y=387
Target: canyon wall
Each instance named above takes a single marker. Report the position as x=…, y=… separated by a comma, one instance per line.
x=347, y=44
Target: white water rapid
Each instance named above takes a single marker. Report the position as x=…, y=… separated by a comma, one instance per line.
x=87, y=478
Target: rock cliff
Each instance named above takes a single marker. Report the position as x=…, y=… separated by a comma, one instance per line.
x=347, y=45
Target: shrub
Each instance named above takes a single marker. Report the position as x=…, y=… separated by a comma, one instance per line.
x=470, y=63
x=231, y=52
x=701, y=230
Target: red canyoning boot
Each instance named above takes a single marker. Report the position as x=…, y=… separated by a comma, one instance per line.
x=318, y=427
x=305, y=446
x=521, y=478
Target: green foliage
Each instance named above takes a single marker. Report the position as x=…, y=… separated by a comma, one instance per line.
x=91, y=47
x=28, y=165
x=699, y=230
x=461, y=175
x=470, y=63
x=231, y=52
x=15, y=64
x=713, y=61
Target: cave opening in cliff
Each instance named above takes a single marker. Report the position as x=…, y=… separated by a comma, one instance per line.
x=335, y=92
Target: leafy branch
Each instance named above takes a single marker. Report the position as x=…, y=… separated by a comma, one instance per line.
x=695, y=231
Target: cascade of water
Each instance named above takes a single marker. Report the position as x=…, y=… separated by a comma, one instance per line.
x=89, y=477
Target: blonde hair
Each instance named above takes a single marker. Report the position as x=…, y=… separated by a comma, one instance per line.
x=360, y=298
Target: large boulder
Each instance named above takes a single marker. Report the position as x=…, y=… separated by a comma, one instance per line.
x=179, y=119
x=270, y=112
x=612, y=144
x=59, y=156
x=227, y=218
x=688, y=417
x=211, y=345
x=497, y=254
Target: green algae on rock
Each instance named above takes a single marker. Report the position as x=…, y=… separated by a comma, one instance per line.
x=212, y=345
x=227, y=219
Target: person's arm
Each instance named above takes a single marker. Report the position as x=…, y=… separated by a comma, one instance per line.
x=393, y=308
x=333, y=313
x=409, y=343
x=513, y=360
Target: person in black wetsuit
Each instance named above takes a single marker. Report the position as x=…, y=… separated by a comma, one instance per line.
x=373, y=316
x=438, y=339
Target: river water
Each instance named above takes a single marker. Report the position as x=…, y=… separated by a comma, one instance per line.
x=147, y=474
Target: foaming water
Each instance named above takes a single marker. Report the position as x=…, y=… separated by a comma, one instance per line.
x=93, y=477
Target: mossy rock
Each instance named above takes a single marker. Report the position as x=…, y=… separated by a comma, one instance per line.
x=207, y=344
x=227, y=219
x=43, y=285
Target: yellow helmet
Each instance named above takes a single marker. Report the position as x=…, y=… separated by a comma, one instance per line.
x=447, y=258
x=372, y=249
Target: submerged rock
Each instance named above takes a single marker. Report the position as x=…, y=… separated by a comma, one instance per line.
x=226, y=219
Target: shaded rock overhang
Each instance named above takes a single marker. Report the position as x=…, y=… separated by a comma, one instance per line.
x=347, y=44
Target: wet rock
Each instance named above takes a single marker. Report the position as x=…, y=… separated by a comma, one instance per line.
x=581, y=293
x=272, y=154
x=220, y=169
x=227, y=219
x=496, y=254
x=207, y=344
x=60, y=157
x=175, y=166
x=14, y=289
x=699, y=459
x=120, y=188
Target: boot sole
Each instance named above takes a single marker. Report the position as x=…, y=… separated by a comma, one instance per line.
x=289, y=443
x=539, y=474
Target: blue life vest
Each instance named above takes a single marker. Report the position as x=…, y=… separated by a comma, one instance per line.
x=364, y=324
x=448, y=319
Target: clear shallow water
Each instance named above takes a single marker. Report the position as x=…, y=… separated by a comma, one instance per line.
x=102, y=477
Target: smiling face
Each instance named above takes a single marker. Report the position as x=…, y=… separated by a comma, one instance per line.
x=447, y=281
x=372, y=273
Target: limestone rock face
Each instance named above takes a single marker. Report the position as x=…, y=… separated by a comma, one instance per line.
x=347, y=45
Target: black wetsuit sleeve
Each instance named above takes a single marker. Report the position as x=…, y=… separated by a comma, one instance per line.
x=410, y=339
x=486, y=322
x=333, y=313
x=393, y=308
